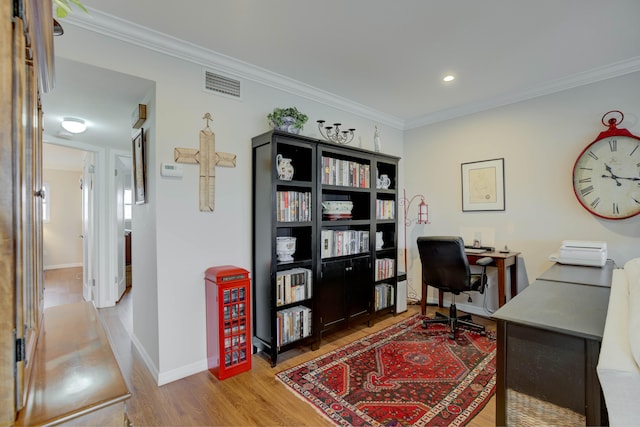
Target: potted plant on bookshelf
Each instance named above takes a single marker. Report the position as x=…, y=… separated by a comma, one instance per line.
x=287, y=119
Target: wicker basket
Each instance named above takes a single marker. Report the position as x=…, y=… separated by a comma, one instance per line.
x=524, y=411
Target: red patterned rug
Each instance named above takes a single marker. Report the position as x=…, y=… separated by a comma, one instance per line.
x=400, y=376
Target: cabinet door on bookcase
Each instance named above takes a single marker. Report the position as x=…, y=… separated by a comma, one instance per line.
x=331, y=299
x=345, y=290
x=358, y=287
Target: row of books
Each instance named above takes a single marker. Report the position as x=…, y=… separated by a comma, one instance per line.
x=384, y=296
x=345, y=173
x=385, y=268
x=385, y=209
x=293, y=285
x=293, y=324
x=343, y=242
x=293, y=206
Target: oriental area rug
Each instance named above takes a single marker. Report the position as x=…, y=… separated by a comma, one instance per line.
x=403, y=375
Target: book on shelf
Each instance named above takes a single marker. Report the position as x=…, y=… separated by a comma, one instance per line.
x=384, y=296
x=385, y=268
x=345, y=173
x=293, y=324
x=385, y=209
x=293, y=206
x=293, y=285
x=343, y=242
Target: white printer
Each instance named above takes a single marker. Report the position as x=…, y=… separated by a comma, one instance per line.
x=580, y=252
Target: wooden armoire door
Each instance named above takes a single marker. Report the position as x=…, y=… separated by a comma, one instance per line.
x=7, y=256
x=26, y=58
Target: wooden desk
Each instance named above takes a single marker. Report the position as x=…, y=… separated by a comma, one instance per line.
x=548, y=344
x=502, y=261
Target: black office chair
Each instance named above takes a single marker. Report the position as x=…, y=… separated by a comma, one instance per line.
x=445, y=266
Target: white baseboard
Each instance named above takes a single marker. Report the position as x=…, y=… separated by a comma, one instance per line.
x=162, y=378
x=153, y=370
x=182, y=372
x=57, y=266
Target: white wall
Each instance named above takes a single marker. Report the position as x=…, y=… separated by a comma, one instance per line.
x=61, y=235
x=539, y=140
x=174, y=242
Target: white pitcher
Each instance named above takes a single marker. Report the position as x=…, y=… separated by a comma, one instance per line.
x=284, y=167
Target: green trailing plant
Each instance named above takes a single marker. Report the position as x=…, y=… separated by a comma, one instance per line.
x=63, y=7
x=276, y=118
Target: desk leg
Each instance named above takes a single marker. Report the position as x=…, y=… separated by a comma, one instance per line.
x=502, y=299
x=513, y=271
x=501, y=374
x=503, y=264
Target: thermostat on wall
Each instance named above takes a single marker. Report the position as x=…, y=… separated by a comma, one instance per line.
x=170, y=169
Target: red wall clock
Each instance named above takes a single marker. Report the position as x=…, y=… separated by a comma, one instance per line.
x=606, y=175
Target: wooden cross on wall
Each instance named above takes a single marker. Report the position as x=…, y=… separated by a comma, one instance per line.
x=208, y=159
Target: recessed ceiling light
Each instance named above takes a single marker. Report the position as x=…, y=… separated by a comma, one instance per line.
x=73, y=125
x=448, y=78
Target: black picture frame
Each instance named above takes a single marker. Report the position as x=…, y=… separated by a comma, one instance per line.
x=483, y=185
x=139, y=169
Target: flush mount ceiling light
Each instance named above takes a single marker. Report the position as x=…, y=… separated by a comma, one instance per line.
x=73, y=125
x=448, y=78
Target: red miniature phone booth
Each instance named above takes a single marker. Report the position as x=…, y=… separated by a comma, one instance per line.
x=228, y=320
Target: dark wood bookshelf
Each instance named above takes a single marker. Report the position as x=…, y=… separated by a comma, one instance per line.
x=343, y=288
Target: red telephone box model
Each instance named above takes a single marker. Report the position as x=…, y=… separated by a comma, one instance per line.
x=228, y=320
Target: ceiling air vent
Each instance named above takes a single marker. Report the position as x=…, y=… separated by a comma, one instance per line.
x=221, y=84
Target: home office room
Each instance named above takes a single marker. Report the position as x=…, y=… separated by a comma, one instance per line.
x=326, y=300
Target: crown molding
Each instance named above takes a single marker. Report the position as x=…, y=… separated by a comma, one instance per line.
x=129, y=32
x=580, y=79
x=117, y=28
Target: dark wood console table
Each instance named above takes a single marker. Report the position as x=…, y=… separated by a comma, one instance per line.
x=549, y=340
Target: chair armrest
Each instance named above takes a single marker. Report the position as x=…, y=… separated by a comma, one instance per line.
x=484, y=261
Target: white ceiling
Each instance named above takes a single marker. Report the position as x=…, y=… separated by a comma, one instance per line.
x=389, y=56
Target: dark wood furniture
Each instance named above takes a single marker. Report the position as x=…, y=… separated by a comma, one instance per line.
x=76, y=379
x=347, y=270
x=504, y=262
x=548, y=343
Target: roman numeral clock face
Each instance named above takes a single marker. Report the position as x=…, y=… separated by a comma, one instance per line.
x=606, y=177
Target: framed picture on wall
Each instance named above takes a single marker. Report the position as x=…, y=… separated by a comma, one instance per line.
x=139, y=172
x=483, y=186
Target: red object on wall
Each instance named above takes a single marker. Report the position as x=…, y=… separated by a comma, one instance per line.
x=228, y=320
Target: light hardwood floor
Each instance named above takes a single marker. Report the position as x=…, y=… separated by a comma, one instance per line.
x=253, y=398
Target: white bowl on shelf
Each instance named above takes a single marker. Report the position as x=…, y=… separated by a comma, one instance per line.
x=337, y=207
x=285, y=248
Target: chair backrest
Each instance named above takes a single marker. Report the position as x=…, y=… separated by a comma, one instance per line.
x=444, y=263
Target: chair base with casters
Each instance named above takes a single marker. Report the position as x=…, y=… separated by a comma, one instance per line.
x=454, y=321
x=445, y=266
